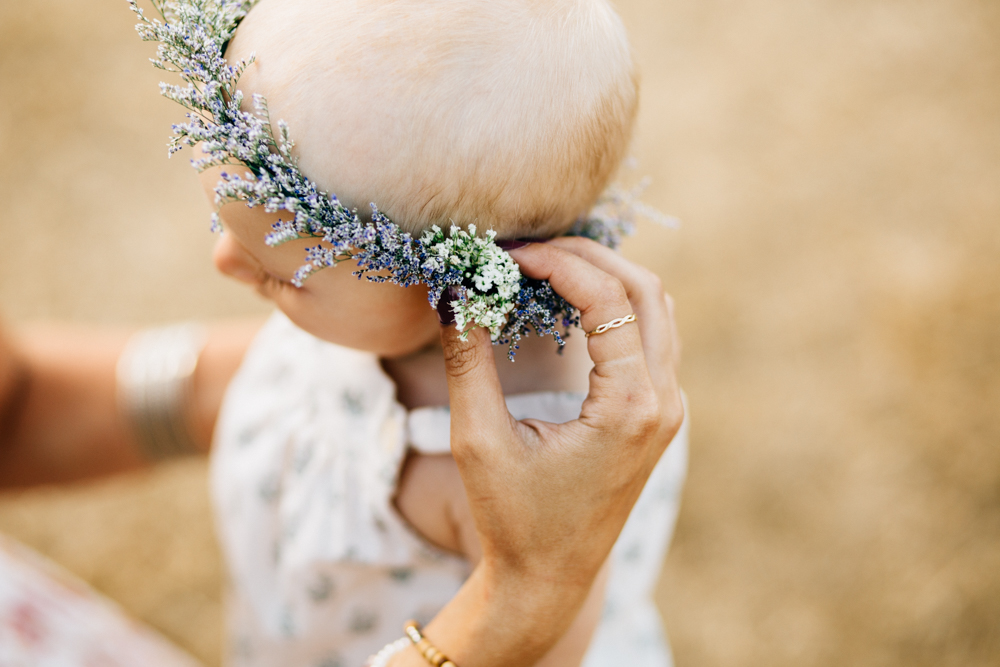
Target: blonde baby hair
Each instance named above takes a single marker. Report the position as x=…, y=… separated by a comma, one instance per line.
x=506, y=114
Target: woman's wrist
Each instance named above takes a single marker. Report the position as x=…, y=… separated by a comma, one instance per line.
x=501, y=618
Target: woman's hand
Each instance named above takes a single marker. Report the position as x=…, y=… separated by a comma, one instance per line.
x=536, y=488
x=549, y=500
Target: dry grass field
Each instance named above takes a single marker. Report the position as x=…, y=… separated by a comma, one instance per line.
x=836, y=165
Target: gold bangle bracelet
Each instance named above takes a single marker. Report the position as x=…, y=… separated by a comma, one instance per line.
x=426, y=649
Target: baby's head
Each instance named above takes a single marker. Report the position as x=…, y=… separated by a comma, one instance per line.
x=507, y=114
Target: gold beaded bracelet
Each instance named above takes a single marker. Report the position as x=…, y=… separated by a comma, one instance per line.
x=430, y=653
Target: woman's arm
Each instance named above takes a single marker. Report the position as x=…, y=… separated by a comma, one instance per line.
x=59, y=414
x=62, y=421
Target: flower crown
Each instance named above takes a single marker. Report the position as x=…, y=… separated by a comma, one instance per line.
x=484, y=283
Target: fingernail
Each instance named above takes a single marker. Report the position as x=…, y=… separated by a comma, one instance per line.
x=446, y=316
x=514, y=244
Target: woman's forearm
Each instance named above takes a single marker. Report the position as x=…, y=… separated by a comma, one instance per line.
x=502, y=619
x=60, y=418
x=63, y=422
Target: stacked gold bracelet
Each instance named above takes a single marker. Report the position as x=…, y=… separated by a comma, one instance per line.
x=430, y=653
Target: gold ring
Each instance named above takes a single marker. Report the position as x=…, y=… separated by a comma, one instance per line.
x=613, y=324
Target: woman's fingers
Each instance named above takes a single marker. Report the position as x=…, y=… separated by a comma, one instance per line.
x=599, y=296
x=474, y=391
x=654, y=309
x=620, y=382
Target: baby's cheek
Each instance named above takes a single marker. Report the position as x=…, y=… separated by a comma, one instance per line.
x=310, y=314
x=232, y=260
x=383, y=323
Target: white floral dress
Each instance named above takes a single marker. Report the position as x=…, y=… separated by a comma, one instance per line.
x=324, y=571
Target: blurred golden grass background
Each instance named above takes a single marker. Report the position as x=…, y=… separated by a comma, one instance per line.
x=836, y=164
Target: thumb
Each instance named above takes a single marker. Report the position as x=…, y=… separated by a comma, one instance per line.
x=478, y=410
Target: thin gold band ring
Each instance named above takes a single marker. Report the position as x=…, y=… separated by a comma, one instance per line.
x=613, y=324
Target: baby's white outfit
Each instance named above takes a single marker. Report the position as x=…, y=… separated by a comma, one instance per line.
x=324, y=570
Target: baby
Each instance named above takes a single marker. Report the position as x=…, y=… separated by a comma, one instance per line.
x=341, y=512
